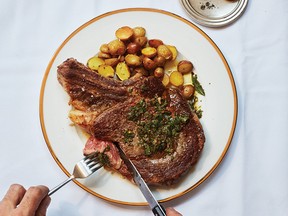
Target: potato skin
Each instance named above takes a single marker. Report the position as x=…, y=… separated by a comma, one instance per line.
x=104, y=48
x=188, y=91
x=174, y=51
x=142, y=41
x=160, y=61
x=185, y=67
x=159, y=72
x=141, y=70
x=148, y=63
x=104, y=55
x=164, y=51
x=155, y=43
x=111, y=61
x=116, y=47
x=133, y=48
x=139, y=32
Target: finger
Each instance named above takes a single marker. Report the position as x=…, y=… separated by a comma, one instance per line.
x=32, y=199
x=41, y=211
x=14, y=195
x=172, y=212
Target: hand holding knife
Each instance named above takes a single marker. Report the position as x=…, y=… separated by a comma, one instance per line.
x=157, y=209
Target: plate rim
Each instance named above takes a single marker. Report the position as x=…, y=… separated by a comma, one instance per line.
x=220, y=54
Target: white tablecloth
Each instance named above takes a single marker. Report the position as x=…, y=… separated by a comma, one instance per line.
x=253, y=177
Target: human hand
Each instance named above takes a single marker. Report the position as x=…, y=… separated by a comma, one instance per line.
x=172, y=212
x=18, y=201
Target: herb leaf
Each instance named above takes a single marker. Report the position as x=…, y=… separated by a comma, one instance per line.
x=197, y=85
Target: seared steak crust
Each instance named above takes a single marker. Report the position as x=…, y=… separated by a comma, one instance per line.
x=112, y=100
x=156, y=169
x=90, y=91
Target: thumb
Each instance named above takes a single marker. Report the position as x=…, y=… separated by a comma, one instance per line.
x=172, y=212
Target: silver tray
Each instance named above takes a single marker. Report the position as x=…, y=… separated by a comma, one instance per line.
x=214, y=13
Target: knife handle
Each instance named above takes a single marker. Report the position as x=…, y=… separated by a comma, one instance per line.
x=159, y=210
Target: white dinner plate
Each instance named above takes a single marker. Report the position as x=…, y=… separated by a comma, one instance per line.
x=219, y=105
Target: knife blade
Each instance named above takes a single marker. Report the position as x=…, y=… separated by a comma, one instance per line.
x=156, y=208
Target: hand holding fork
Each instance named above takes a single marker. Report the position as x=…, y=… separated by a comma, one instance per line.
x=84, y=168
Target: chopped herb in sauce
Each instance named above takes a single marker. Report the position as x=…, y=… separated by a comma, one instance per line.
x=137, y=111
x=128, y=136
x=193, y=103
x=144, y=88
x=103, y=158
x=157, y=127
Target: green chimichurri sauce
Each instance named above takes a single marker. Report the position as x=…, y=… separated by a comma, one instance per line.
x=193, y=103
x=103, y=158
x=157, y=128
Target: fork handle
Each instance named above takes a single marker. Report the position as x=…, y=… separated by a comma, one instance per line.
x=60, y=185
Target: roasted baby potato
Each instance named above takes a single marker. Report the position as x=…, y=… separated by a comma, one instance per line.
x=173, y=51
x=188, y=91
x=116, y=47
x=149, y=51
x=133, y=60
x=111, y=61
x=133, y=48
x=142, y=41
x=139, y=32
x=94, y=62
x=141, y=70
x=104, y=55
x=176, y=78
x=164, y=51
x=124, y=33
x=159, y=72
x=160, y=61
x=104, y=48
x=106, y=70
x=122, y=71
x=155, y=43
x=165, y=79
x=185, y=66
x=148, y=63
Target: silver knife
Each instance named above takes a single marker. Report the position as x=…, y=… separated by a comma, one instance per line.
x=157, y=209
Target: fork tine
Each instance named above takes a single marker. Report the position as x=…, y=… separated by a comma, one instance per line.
x=92, y=162
x=90, y=156
x=91, y=159
x=96, y=167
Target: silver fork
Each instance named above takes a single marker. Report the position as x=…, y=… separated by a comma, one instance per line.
x=82, y=169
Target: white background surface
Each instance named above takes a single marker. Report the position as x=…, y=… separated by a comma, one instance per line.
x=251, y=180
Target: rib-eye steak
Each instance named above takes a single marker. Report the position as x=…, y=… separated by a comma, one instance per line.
x=153, y=125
